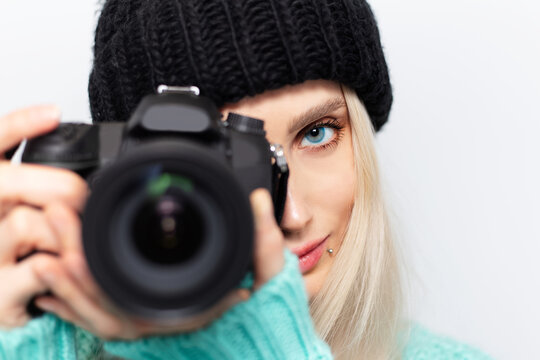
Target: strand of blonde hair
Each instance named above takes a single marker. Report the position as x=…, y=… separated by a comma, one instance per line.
x=358, y=310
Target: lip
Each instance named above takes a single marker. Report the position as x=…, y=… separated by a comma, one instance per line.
x=310, y=254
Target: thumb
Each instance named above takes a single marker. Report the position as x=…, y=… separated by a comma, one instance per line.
x=269, y=242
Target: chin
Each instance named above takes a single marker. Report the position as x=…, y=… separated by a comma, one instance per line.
x=313, y=281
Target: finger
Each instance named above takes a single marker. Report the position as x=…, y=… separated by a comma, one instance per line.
x=27, y=123
x=90, y=314
x=269, y=242
x=60, y=308
x=23, y=276
x=66, y=224
x=23, y=230
x=20, y=286
x=78, y=270
x=38, y=185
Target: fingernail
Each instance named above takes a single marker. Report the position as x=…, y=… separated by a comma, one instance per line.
x=44, y=305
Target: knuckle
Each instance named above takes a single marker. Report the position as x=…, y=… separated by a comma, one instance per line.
x=75, y=189
x=43, y=263
x=9, y=125
x=20, y=220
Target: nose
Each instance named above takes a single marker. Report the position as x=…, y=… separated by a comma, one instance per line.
x=296, y=213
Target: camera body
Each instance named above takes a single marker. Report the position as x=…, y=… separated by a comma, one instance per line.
x=168, y=228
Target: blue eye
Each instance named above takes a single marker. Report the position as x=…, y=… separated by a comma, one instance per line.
x=317, y=136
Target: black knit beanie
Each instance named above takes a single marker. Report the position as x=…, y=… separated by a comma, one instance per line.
x=234, y=48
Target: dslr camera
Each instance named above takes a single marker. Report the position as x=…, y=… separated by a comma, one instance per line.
x=168, y=227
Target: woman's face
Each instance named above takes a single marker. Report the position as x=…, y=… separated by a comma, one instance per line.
x=311, y=122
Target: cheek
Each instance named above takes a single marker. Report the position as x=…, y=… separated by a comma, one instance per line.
x=336, y=196
x=330, y=196
x=329, y=186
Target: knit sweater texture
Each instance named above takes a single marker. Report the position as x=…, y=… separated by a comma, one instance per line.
x=273, y=324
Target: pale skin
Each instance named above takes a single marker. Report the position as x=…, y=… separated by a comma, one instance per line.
x=320, y=188
x=43, y=214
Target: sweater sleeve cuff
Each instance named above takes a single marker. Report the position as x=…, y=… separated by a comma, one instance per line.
x=46, y=337
x=274, y=323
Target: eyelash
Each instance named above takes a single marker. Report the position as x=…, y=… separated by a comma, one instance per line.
x=334, y=124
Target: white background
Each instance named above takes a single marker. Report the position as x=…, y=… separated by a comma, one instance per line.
x=459, y=155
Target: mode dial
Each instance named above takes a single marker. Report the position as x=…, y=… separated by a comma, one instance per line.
x=246, y=124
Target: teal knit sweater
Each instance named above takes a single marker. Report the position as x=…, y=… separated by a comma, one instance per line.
x=273, y=324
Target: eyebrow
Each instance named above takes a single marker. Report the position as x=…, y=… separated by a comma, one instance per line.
x=315, y=113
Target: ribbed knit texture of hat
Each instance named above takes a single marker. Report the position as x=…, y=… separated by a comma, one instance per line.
x=234, y=48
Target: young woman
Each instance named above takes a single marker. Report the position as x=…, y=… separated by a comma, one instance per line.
x=315, y=72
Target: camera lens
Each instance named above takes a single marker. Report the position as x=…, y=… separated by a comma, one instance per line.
x=168, y=229
x=160, y=219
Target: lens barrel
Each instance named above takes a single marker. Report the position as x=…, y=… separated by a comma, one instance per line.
x=168, y=230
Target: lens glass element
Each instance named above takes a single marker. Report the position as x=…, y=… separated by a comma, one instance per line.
x=168, y=228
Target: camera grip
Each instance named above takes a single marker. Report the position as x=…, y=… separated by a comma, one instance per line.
x=72, y=146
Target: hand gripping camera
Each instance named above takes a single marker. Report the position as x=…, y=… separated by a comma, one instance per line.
x=168, y=228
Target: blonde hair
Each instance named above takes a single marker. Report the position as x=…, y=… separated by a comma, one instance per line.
x=358, y=312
